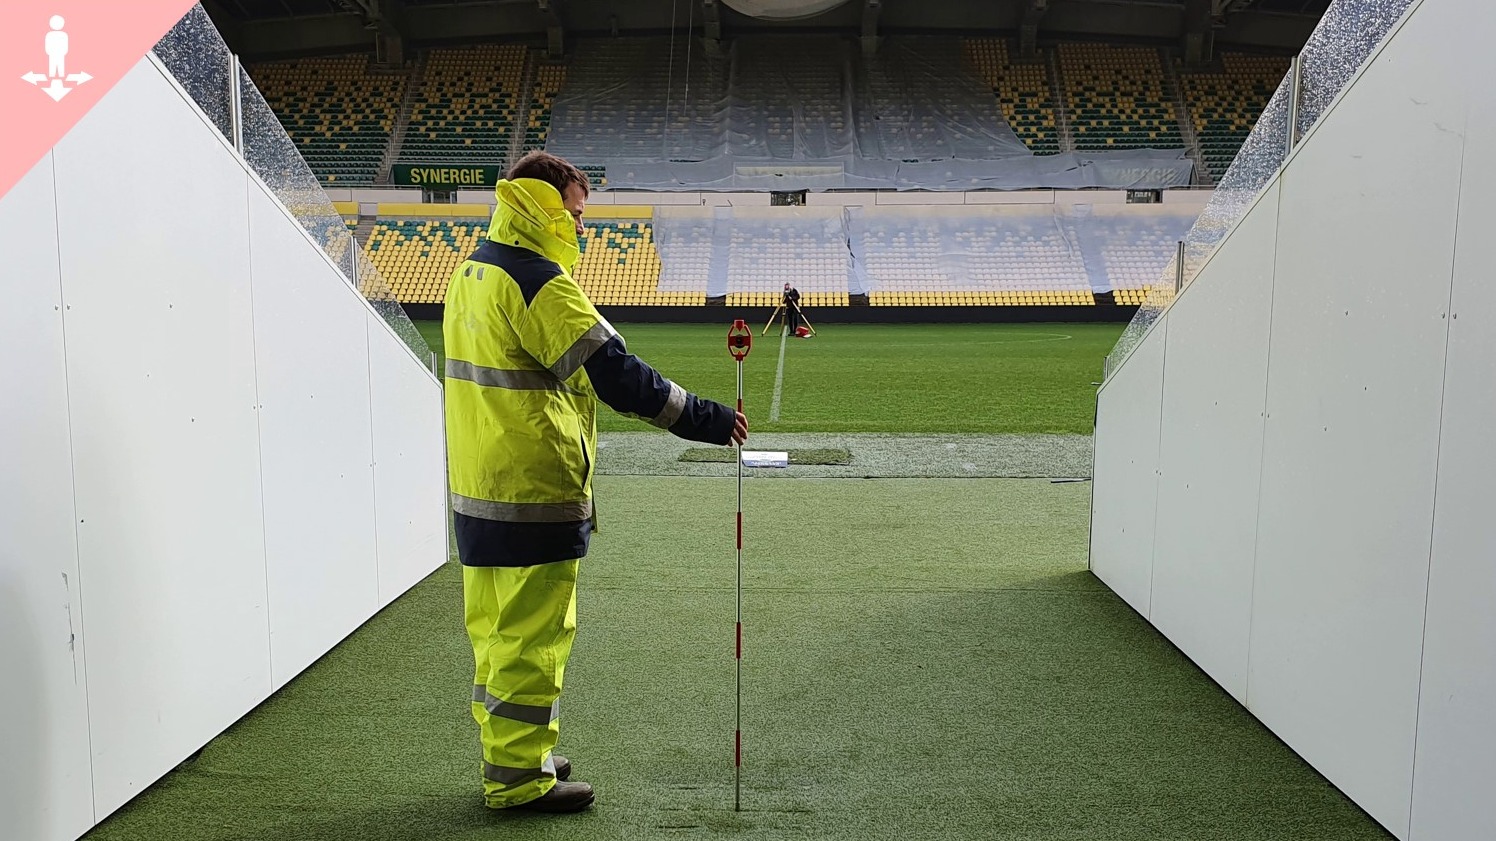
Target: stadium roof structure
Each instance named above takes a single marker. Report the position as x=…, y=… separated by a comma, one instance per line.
x=260, y=29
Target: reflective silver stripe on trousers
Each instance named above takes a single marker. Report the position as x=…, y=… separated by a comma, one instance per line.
x=501, y=378
x=523, y=512
x=582, y=350
x=674, y=405
x=515, y=776
x=528, y=713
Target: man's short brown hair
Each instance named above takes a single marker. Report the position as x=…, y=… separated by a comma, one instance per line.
x=557, y=172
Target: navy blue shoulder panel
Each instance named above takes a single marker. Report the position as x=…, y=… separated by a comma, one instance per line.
x=530, y=270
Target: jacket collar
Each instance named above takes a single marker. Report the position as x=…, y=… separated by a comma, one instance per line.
x=529, y=214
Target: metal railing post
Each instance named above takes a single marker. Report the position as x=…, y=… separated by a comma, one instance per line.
x=236, y=105
x=1179, y=268
x=1295, y=91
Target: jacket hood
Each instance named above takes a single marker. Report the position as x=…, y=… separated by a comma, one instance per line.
x=529, y=213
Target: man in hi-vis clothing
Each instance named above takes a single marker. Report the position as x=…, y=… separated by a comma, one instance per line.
x=528, y=359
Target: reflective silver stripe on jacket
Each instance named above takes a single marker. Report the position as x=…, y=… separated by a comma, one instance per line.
x=523, y=512
x=528, y=713
x=515, y=776
x=538, y=380
x=674, y=405
x=582, y=350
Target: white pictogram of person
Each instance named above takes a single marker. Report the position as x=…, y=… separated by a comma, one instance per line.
x=57, y=48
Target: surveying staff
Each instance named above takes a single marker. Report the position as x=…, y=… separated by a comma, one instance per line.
x=528, y=359
x=792, y=308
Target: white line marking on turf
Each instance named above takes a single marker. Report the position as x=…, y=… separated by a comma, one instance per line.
x=784, y=333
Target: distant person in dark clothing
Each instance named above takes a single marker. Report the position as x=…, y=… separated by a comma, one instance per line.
x=792, y=309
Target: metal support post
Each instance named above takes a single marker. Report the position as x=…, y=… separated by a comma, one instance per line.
x=1179, y=268
x=236, y=105
x=1295, y=94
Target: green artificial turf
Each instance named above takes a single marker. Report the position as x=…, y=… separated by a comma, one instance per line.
x=901, y=378
x=922, y=659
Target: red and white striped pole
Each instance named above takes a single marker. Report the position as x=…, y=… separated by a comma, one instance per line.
x=739, y=342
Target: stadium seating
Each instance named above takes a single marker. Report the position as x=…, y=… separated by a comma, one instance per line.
x=619, y=266
x=1131, y=297
x=1225, y=103
x=769, y=249
x=794, y=88
x=1134, y=246
x=597, y=175
x=466, y=106
x=621, y=124
x=966, y=258
x=338, y=112
x=548, y=81
x=417, y=256
x=1116, y=98
x=1036, y=255
x=1022, y=91
x=471, y=103
x=620, y=89
x=480, y=105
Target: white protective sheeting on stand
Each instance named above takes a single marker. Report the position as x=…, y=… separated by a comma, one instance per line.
x=809, y=112
x=896, y=248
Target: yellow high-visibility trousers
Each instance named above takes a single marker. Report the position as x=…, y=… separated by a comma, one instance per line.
x=521, y=621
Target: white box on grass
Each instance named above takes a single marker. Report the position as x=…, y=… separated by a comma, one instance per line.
x=756, y=458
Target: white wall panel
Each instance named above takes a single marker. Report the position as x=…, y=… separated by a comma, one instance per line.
x=410, y=484
x=1126, y=471
x=316, y=442
x=161, y=374
x=1354, y=386
x=144, y=358
x=1210, y=458
x=45, y=789
x=1455, y=767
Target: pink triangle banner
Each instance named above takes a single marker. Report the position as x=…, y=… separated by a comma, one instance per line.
x=60, y=57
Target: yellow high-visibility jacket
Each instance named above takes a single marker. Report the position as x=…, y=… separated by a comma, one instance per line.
x=528, y=359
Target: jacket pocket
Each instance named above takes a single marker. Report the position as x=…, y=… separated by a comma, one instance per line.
x=586, y=461
x=587, y=477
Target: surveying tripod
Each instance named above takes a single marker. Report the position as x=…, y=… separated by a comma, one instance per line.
x=780, y=310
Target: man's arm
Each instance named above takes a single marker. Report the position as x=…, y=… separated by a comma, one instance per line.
x=631, y=387
x=565, y=333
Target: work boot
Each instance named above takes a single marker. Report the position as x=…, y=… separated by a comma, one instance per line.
x=564, y=797
x=563, y=767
